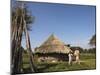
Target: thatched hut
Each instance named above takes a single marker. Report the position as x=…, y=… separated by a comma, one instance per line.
x=52, y=50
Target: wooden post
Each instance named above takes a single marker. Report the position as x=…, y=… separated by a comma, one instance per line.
x=28, y=45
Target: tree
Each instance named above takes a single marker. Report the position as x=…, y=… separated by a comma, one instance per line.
x=92, y=41
x=21, y=20
x=77, y=48
x=92, y=50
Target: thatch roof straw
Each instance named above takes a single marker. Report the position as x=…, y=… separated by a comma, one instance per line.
x=53, y=45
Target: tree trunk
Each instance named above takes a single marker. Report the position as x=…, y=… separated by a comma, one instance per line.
x=33, y=68
x=16, y=46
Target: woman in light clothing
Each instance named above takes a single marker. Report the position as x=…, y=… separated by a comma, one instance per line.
x=70, y=55
x=77, y=54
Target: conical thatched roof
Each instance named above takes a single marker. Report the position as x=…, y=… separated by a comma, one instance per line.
x=53, y=45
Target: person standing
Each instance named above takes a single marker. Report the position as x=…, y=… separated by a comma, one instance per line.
x=70, y=55
x=77, y=56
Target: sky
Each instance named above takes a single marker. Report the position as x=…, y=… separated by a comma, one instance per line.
x=72, y=24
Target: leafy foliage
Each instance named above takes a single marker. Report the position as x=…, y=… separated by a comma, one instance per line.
x=92, y=41
x=29, y=18
x=78, y=48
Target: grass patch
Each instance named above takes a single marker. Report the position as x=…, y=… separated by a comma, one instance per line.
x=85, y=56
x=87, y=63
x=63, y=66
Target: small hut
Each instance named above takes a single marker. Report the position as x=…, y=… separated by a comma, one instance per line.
x=52, y=50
